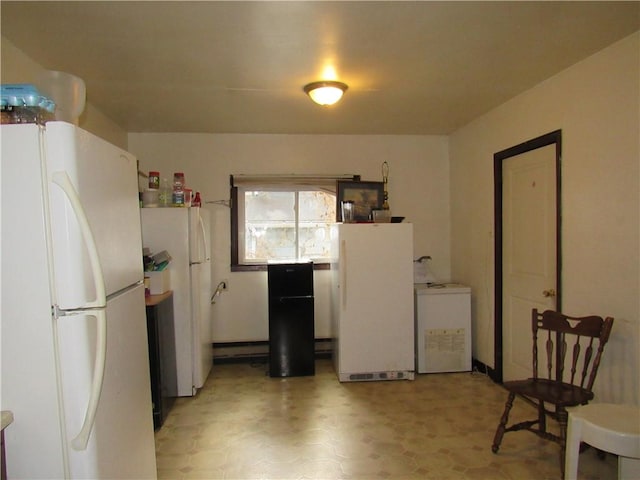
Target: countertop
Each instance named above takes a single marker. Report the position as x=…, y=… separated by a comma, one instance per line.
x=7, y=418
x=152, y=300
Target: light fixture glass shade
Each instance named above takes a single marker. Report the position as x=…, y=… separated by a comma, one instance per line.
x=325, y=93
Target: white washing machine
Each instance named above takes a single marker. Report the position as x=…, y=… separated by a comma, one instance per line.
x=443, y=328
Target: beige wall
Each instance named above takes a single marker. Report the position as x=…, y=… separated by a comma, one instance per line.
x=418, y=190
x=596, y=103
x=19, y=68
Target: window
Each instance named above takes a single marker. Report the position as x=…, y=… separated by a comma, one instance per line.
x=281, y=218
x=284, y=224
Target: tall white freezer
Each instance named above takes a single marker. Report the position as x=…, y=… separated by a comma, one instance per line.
x=443, y=328
x=184, y=233
x=75, y=364
x=372, y=301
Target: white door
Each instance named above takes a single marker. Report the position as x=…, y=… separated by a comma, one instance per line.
x=105, y=180
x=202, y=349
x=198, y=240
x=200, y=295
x=28, y=380
x=529, y=251
x=121, y=443
x=168, y=229
x=376, y=332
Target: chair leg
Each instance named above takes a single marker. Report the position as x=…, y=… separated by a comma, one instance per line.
x=542, y=417
x=497, y=439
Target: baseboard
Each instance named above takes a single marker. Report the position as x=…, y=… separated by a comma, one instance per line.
x=480, y=367
x=258, y=351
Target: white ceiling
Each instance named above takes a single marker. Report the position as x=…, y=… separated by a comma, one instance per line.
x=239, y=67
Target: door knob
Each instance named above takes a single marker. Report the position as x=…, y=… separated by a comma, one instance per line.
x=549, y=293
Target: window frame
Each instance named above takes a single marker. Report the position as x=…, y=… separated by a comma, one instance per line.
x=265, y=180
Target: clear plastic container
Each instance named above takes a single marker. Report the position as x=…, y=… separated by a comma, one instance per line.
x=165, y=194
x=178, y=189
x=67, y=90
x=151, y=198
x=348, y=211
x=381, y=216
x=23, y=103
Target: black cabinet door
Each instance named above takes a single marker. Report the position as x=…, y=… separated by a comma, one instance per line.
x=290, y=279
x=291, y=336
x=162, y=358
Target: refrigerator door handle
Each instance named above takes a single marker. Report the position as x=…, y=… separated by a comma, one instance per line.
x=62, y=180
x=293, y=297
x=205, y=253
x=343, y=269
x=82, y=439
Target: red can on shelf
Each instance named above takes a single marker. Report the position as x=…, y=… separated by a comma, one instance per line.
x=154, y=180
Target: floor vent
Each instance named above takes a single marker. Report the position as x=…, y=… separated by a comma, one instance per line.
x=376, y=376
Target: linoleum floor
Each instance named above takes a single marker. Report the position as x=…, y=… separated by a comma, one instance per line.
x=245, y=425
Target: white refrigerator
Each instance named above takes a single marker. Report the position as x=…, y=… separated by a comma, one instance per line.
x=184, y=233
x=75, y=365
x=372, y=301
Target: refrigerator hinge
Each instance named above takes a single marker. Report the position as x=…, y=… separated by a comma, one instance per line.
x=58, y=312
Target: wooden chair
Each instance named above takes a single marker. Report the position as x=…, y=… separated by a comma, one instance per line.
x=566, y=343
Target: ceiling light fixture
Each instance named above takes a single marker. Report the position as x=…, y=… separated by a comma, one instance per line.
x=326, y=92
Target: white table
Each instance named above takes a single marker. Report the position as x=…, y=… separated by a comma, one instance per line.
x=6, y=418
x=609, y=427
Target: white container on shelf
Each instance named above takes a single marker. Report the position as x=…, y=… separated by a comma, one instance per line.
x=159, y=281
x=151, y=198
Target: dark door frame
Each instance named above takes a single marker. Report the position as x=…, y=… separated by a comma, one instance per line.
x=551, y=138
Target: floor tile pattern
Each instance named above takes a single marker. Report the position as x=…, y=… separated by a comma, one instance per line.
x=245, y=425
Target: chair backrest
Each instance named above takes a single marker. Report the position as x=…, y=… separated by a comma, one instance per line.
x=569, y=343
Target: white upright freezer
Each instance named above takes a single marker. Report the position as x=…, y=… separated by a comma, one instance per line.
x=443, y=328
x=372, y=301
x=184, y=233
x=75, y=365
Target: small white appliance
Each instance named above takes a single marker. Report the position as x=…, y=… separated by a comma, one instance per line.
x=371, y=301
x=443, y=328
x=184, y=233
x=75, y=362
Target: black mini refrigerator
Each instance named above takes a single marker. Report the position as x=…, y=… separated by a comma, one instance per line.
x=291, y=320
